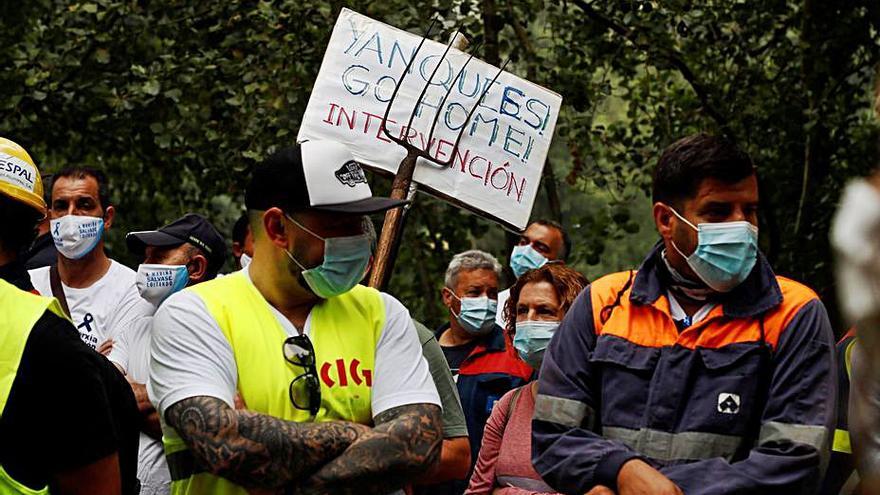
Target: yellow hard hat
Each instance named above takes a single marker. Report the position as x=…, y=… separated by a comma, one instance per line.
x=19, y=177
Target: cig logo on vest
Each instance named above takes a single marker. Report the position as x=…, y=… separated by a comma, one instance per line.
x=333, y=374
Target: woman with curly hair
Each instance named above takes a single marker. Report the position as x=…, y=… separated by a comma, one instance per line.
x=538, y=301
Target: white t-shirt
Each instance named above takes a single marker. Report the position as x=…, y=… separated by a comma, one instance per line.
x=131, y=352
x=103, y=310
x=190, y=357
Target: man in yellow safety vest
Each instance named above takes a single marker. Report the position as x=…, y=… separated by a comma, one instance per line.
x=338, y=396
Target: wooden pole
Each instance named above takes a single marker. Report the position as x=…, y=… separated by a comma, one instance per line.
x=392, y=228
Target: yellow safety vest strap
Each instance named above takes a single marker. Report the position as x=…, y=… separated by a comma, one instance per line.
x=9, y=486
x=841, y=442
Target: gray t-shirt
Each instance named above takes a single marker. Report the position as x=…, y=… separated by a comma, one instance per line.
x=454, y=424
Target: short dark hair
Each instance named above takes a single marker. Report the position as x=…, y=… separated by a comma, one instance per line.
x=566, y=240
x=19, y=225
x=687, y=162
x=83, y=173
x=240, y=229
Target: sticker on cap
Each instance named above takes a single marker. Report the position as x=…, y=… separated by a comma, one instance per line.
x=15, y=171
x=351, y=174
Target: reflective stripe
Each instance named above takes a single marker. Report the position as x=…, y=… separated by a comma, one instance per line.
x=666, y=446
x=815, y=436
x=182, y=465
x=841, y=442
x=565, y=412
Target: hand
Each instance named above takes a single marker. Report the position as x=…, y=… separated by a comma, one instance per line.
x=600, y=490
x=105, y=347
x=636, y=477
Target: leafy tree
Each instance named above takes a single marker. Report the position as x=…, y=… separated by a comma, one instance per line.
x=178, y=100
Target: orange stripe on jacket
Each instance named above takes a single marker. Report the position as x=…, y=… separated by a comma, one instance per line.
x=652, y=325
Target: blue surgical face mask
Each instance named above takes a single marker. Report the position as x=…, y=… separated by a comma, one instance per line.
x=345, y=262
x=525, y=258
x=531, y=340
x=477, y=315
x=725, y=254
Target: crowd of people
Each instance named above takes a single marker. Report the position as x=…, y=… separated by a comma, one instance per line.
x=700, y=371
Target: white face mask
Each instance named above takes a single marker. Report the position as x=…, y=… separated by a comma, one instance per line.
x=76, y=236
x=156, y=282
x=245, y=260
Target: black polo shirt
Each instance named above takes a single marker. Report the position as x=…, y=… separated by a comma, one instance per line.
x=68, y=407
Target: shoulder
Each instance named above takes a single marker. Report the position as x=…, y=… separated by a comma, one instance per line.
x=183, y=312
x=391, y=303
x=220, y=290
x=504, y=361
x=604, y=289
x=184, y=301
x=120, y=279
x=795, y=293
x=54, y=338
x=425, y=334
x=119, y=270
x=796, y=298
x=800, y=315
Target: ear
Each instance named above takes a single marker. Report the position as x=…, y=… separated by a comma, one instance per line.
x=236, y=249
x=109, y=214
x=446, y=294
x=663, y=220
x=198, y=268
x=275, y=227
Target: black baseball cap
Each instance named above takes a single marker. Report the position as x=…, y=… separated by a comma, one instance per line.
x=192, y=228
x=314, y=175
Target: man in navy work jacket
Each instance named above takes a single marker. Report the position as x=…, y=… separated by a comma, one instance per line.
x=701, y=373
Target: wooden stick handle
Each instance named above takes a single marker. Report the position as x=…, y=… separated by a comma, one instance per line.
x=392, y=228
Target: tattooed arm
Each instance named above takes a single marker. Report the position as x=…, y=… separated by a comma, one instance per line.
x=256, y=450
x=404, y=444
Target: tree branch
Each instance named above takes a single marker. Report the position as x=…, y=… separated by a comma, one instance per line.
x=670, y=55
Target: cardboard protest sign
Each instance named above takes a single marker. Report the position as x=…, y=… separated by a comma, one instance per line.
x=496, y=169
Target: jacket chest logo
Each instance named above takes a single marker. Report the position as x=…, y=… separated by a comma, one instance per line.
x=345, y=374
x=728, y=403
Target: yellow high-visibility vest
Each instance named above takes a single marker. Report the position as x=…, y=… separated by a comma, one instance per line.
x=344, y=332
x=19, y=312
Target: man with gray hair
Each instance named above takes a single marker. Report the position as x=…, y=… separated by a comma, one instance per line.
x=485, y=368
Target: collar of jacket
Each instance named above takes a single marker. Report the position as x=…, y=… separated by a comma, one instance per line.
x=756, y=295
x=492, y=342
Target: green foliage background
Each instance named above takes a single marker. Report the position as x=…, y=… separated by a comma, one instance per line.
x=178, y=100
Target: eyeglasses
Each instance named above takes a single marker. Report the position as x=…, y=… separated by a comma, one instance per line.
x=304, y=390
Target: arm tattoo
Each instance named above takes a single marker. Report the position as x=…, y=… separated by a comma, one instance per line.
x=404, y=444
x=256, y=450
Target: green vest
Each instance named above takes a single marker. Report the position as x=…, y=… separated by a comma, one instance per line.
x=19, y=311
x=344, y=332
